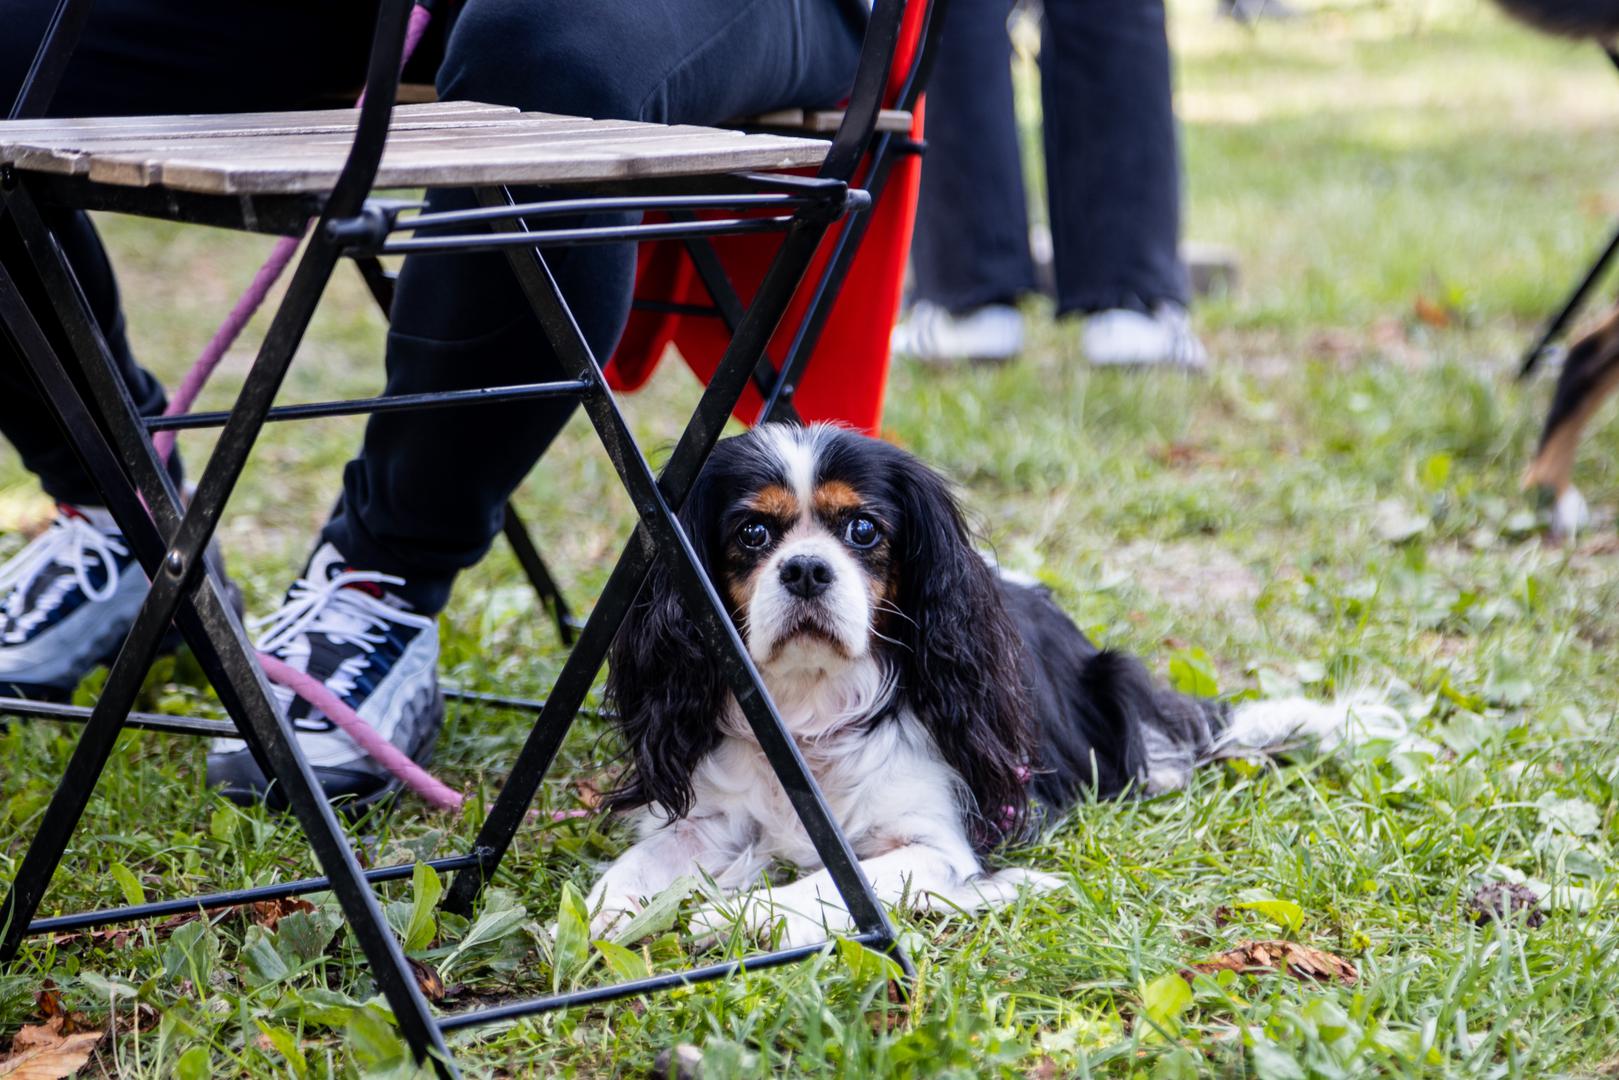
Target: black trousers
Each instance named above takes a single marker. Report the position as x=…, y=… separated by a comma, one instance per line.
x=1112, y=166
x=425, y=496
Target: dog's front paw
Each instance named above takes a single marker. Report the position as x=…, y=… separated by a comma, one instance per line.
x=756, y=917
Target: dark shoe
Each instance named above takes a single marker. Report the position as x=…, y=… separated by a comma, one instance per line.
x=342, y=626
x=67, y=601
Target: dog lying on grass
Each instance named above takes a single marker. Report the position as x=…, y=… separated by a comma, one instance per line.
x=944, y=707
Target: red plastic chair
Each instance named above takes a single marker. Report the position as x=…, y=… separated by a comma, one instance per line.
x=844, y=378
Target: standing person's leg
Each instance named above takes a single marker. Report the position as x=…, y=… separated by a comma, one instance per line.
x=69, y=597
x=1113, y=174
x=425, y=497
x=970, y=251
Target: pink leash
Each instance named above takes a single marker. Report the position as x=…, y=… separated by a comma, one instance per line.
x=433, y=791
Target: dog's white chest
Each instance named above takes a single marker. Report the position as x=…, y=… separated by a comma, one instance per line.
x=876, y=782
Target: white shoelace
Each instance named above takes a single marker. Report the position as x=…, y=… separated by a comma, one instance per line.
x=343, y=615
x=66, y=543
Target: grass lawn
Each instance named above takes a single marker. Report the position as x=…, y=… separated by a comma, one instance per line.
x=1410, y=185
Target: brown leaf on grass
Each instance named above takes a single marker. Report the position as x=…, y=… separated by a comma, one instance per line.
x=267, y=913
x=117, y=936
x=56, y=1015
x=49, y=1051
x=428, y=978
x=1431, y=312
x=1183, y=455
x=1045, y=1069
x=1300, y=961
x=38, y=1053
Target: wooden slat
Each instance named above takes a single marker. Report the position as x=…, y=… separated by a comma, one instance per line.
x=433, y=145
x=135, y=168
x=67, y=129
x=139, y=161
x=529, y=164
x=825, y=121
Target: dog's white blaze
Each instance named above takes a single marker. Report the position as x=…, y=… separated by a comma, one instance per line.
x=794, y=449
x=844, y=610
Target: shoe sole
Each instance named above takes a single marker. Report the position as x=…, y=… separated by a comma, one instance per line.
x=352, y=807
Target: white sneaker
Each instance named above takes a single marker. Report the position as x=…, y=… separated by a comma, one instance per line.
x=1125, y=338
x=991, y=334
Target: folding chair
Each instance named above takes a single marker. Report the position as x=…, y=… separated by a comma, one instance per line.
x=690, y=294
x=1571, y=307
x=193, y=169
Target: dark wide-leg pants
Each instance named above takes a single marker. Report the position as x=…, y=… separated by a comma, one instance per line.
x=1112, y=166
x=424, y=498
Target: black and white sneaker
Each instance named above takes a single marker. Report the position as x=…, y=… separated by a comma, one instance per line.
x=67, y=601
x=345, y=628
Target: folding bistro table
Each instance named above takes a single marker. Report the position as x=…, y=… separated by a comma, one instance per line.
x=274, y=173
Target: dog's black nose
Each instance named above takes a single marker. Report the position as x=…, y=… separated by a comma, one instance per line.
x=806, y=575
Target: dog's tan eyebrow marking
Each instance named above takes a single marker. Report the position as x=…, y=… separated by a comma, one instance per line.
x=775, y=501
x=835, y=496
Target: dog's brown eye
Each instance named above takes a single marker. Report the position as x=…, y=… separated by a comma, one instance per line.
x=753, y=535
x=862, y=532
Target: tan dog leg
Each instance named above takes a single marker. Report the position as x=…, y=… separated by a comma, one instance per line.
x=1590, y=374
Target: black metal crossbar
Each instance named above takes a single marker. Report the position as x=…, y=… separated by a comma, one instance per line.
x=516, y=1010
x=172, y=724
x=45, y=315
x=441, y=399
x=280, y=890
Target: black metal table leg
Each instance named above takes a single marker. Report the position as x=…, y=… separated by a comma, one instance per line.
x=182, y=566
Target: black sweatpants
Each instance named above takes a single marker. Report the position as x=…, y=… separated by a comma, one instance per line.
x=1112, y=168
x=425, y=496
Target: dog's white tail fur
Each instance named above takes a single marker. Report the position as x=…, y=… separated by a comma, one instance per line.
x=1291, y=724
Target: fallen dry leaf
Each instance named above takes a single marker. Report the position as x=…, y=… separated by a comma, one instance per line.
x=48, y=1051
x=117, y=936
x=427, y=977
x=1434, y=314
x=1045, y=1069
x=267, y=913
x=57, y=1018
x=1300, y=961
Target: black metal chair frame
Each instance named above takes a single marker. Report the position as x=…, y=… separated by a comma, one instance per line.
x=45, y=314
x=1575, y=303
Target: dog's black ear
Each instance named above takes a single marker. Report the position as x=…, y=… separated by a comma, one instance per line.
x=961, y=667
x=662, y=683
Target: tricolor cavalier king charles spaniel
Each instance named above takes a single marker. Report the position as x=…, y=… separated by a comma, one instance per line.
x=944, y=707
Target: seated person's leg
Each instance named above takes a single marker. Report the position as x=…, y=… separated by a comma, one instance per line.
x=68, y=598
x=425, y=497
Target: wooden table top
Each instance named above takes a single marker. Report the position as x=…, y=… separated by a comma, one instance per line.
x=440, y=144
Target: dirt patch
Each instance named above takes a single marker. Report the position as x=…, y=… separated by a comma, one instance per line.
x=1190, y=576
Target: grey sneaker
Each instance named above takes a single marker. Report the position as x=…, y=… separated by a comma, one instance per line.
x=991, y=334
x=341, y=625
x=67, y=601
